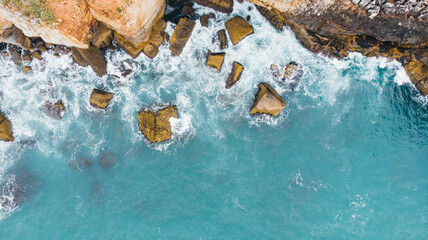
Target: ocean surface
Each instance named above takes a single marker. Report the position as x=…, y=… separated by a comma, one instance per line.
x=346, y=159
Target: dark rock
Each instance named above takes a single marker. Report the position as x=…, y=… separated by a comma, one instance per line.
x=100, y=99
x=180, y=36
x=13, y=194
x=215, y=60
x=223, y=38
x=225, y=6
x=54, y=110
x=80, y=163
x=155, y=125
x=267, y=101
x=91, y=56
x=107, y=159
x=204, y=20
x=234, y=75
x=238, y=29
x=187, y=10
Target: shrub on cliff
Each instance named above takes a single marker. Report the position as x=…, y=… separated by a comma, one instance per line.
x=33, y=8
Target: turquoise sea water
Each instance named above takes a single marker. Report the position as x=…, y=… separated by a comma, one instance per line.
x=346, y=158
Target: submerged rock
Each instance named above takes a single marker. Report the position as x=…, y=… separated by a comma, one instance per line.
x=54, y=110
x=13, y=194
x=91, y=56
x=215, y=60
x=225, y=6
x=267, y=101
x=80, y=163
x=234, y=75
x=181, y=35
x=222, y=38
x=6, y=133
x=155, y=125
x=107, y=159
x=238, y=29
x=100, y=99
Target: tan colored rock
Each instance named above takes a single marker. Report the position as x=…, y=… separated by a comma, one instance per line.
x=234, y=75
x=100, y=99
x=225, y=6
x=422, y=86
x=267, y=101
x=238, y=29
x=102, y=37
x=215, y=60
x=417, y=71
x=26, y=69
x=6, y=133
x=222, y=38
x=37, y=55
x=26, y=57
x=16, y=57
x=15, y=36
x=54, y=110
x=290, y=69
x=181, y=35
x=155, y=125
x=91, y=56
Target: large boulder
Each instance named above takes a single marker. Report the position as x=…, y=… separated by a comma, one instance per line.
x=15, y=36
x=91, y=56
x=155, y=125
x=181, y=35
x=238, y=29
x=234, y=75
x=215, y=60
x=100, y=99
x=267, y=101
x=54, y=110
x=225, y=6
x=102, y=37
x=6, y=133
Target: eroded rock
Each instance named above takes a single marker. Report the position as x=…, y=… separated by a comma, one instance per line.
x=102, y=37
x=100, y=99
x=181, y=35
x=93, y=57
x=6, y=133
x=267, y=101
x=234, y=75
x=238, y=29
x=54, y=110
x=155, y=124
x=215, y=60
x=225, y=6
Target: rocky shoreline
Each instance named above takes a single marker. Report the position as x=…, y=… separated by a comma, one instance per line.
x=322, y=28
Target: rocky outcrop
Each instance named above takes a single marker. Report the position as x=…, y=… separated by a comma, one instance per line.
x=54, y=110
x=102, y=37
x=267, y=101
x=100, y=99
x=234, y=75
x=14, y=35
x=73, y=22
x=238, y=29
x=155, y=124
x=181, y=35
x=225, y=6
x=92, y=56
x=6, y=133
x=215, y=60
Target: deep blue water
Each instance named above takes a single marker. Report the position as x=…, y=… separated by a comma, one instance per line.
x=346, y=158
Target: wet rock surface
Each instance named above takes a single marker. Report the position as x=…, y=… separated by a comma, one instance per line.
x=234, y=75
x=80, y=163
x=215, y=60
x=100, y=99
x=154, y=123
x=102, y=37
x=92, y=56
x=54, y=110
x=267, y=101
x=225, y=6
x=6, y=133
x=221, y=34
x=181, y=35
x=238, y=29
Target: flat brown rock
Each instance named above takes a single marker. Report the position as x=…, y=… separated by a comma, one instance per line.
x=102, y=37
x=234, y=75
x=181, y=35
x=225, y=6
x=6, y=133
x=155, y=125
x=204, y=20
x=100, y=99
x=422, y=86
x=215, y=60
x=267, y=101
x=91, y=56
x=238, y=29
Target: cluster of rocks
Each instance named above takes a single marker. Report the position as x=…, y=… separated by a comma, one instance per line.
x=417, y=9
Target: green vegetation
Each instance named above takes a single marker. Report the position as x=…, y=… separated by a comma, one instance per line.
x=33, y=8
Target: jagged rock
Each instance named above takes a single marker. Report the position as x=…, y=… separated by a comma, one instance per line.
x=12, y=194
x=223, y=38
x=215, y=60
x=275, y=71
x=234, y=75
x=15, y=36
x=26, y=69
x=225, y=6
x=204, y=20
x=37, y=55
x=102, y=37
x=155, y=125
x=422, y=86
x=272, y=16
x=290, y=69
x=180, y=36
x=129, y=47
x=16, y=57
x=100, y=99
x=26, y=57
x=267, y=101
x=54, y=110
x=91, y=56
x=6, y=133
x=238, y=29
x=107, y=159
x=188, y=10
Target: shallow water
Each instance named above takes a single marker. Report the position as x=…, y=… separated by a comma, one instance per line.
x=346, y=158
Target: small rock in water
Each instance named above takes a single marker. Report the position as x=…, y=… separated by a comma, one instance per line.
x=26, y=69
x=55, y=111
x=292, y=74
x=100, y=99
x=16, y=57
x=37, y=55
x=26, y=57
x=181, y=34
x=234, y=75
x=42, y=48
x=6, y=133
x=13, y=194
x=238, y=29
x=275, y=71
x=204, y=20
x=107, y=159
x=223, y=38
x=5, y=54
x=155, y=125
x=267, y=101
x=187, y=10
x=215, y=60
